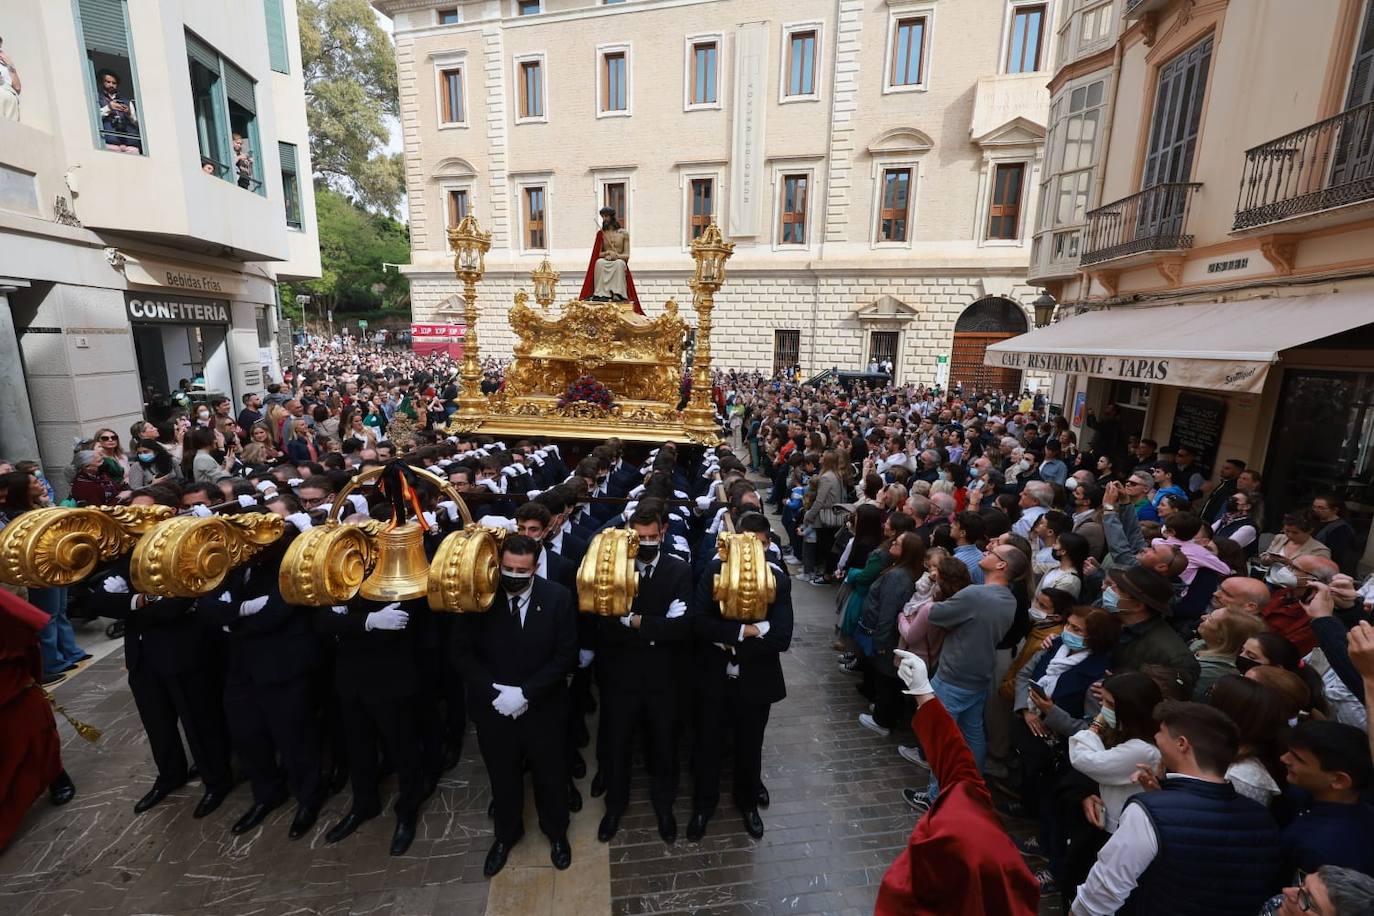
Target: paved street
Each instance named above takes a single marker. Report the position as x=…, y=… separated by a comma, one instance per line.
x=836, y=822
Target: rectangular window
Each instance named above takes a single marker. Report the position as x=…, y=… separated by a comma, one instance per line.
x=908, y=52
x=451, y=96
x=1004, y=216
x=290, y=184
x=613, y=196
x=116, y=116
x=704, y=73
x=535, y=237
x=1027, y=31
x=1072, y=153
x=1094, y=24
x=277, y=55
x=223, y=98
x=527, y=7
x=531, y=89
x=894, y=213
x=456, y=202
x=703, y=206
x=793, y=228
x=448, y=17
x=801, y=63
x=614, y=90
x=786, y=350
x=882, y=349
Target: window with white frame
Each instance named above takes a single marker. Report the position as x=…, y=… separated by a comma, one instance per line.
x=457, y=204
x=801, y=62
x=447, y=16
x=894, y=203
x=529, y=82
x=1071, y=155
x=703, y=73
x=452, y=100
x=702, y=195
x=1026, y=38
x=1004, y=208
x=534, y=207
x=906, y=67
x=528, y=7
x=613, y=79
x=1094, y=22
x=794, y=190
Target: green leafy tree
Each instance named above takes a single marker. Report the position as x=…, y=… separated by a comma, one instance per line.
x=349, y=68
x=355, y=244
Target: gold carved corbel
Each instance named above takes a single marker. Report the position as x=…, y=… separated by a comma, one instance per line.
x=607, y=581
x=188, y=556
x=745, y=585
x=61, y=546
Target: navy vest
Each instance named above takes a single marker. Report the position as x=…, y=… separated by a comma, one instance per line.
x=1218, y=852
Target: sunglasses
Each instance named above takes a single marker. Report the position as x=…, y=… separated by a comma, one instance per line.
x=108, y=438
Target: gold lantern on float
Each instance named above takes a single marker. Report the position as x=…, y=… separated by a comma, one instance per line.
x=607, y=580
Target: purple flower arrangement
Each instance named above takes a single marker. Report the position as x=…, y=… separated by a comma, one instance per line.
x=588, y=389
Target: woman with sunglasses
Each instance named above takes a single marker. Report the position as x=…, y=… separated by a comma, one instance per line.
x=107, y=446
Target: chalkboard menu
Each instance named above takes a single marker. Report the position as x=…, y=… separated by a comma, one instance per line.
x=1198, y=422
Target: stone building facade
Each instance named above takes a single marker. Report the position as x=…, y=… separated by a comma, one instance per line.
x=873, y=161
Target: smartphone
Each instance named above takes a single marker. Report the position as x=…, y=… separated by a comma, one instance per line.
x=1039, y=691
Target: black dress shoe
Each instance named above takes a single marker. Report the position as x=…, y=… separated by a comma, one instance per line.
x=762, y=796
x=598, y=784
x=253, y=816
x=560, y=853
x=209, y=803
x=667, y=827
x=574, y=798
x=496, y=856
x=404, y=835
x=343, y=828
x=62, y=789
x=753, y=824
x=578, y=767
x=610, y=825
x=156, y=794
x=696, y=827
x=303, y=821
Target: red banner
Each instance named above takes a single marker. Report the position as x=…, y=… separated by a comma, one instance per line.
x=429, y=338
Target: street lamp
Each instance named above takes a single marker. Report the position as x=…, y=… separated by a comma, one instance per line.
x=1044, y=306
x=470, y=245
x=545, y=280
x=710, y=251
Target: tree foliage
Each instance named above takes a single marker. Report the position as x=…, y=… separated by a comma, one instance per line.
x=349, y=68
x=354, y=246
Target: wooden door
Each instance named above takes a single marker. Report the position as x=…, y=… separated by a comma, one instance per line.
x=966, y=363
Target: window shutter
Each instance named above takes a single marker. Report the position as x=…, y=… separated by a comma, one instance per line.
x=239, y=87
x=276, y=36
x=202, y=53
x=286, y=152
x=103, y=26
x=1360, y=82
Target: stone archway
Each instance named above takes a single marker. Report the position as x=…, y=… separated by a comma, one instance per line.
x=986, y=321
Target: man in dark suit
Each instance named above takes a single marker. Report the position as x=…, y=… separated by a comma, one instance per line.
x=175, y=678
x=739, y=677
x=273, y=654
x=564, y=543
x=377, y=677
x=636, y=664
x=515, y=659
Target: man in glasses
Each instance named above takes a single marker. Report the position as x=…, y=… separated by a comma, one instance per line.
x=1329, y=891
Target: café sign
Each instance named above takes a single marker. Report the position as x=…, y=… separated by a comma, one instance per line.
x=1222, y=375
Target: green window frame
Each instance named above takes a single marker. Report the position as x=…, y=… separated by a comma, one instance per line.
x=103, y=26
x=290, y=184
x=225, y=102
x=278, y=54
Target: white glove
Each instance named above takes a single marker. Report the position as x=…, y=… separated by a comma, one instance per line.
x=762, y=627
x=340, y=609
x=226, y=597
x=509, y=700
x=431, y=521
x=627, y=620
x=359, y=503
x=451, y=509
x=115, y=585
x=252, y=606
x=390, y=617
x=676, y=609
x=912, y=670
x=295, y=482
x=248, y=502
x=265, y=486
x=301, y=520
x=201, y=511
x=584, y=657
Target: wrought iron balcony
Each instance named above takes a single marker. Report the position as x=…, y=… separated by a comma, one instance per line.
x=1325, y=165
x=1153, y=220
x=1135, y=9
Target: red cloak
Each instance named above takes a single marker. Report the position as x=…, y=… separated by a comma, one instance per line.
x=959, y=860
x=589, y=282
x=31, y=752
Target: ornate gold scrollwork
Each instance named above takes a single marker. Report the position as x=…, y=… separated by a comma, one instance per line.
x=188, y=556
x=61, y=546
x=607, y=581
x=745, y=586
x=464, y=571
x=325, y=566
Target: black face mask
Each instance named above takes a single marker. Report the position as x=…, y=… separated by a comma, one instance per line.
x=514, y=584
x=647, y=552
x=1244, y=664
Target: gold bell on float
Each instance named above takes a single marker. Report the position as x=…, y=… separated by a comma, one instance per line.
x=402, y=571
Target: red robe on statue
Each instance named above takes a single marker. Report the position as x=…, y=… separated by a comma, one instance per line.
x=589, y=282
x=30, y=750
x=959, y=860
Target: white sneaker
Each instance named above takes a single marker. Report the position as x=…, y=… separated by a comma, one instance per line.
x=913, y=755
x=872, y=725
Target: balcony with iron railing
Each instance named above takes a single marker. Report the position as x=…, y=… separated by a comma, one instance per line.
x=1135, y=9
x=1153, y=220
x=1322, y=167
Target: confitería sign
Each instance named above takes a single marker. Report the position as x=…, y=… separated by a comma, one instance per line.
x=157, y=308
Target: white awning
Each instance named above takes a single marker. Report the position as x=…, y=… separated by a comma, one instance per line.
x=1223, y=346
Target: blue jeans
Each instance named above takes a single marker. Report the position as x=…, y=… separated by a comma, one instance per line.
x=965, y=707
x=57, y=638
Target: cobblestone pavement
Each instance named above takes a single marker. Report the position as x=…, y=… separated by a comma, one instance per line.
x=837, y=820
